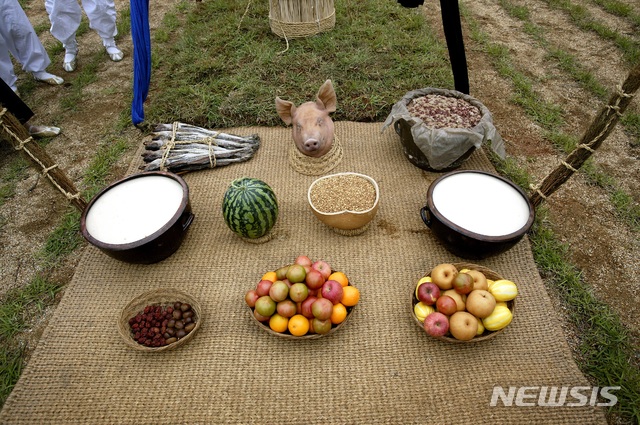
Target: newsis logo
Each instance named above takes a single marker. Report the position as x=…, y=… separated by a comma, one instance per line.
x=553, y=396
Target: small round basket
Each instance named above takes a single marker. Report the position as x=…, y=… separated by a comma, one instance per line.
x=490, y=274
x=286, y=335
x=159, y=297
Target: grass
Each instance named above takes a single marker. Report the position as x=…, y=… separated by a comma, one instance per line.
x=219, y=72
x=216, y=75
x=548, y=115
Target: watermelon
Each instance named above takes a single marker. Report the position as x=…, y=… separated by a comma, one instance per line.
x=250, y=207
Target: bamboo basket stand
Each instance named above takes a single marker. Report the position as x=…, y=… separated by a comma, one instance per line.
x=301, y=18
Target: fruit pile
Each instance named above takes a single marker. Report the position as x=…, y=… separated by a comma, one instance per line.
x=306, y=297
x=463, y=304
x=157, y=325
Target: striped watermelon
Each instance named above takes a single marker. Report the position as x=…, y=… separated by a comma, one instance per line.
x=250, y=207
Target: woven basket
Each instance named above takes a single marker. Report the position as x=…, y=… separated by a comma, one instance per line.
x=162, y=296
x=490, y=274
x=286, y=27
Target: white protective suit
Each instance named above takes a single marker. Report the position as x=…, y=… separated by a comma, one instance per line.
x=65, y=17
x=18, y=37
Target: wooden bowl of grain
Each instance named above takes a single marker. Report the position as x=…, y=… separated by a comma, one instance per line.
x=346, y=202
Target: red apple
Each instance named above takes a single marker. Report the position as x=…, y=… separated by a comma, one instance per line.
x=446, y=305
x=463, y=283
x=286, y=308
x=322, y=309
x=463, y=325
x=305, y=307
x=263, y=287
x=332, y=290
x=251, y=297
x=303, y=260
x=436, y=324
x=323, y=267
x=428, y=293
x=314, y=279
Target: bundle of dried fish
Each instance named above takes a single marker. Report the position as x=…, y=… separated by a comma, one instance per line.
x=180, y=147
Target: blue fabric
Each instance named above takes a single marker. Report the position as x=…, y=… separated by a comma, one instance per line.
x=141, y=57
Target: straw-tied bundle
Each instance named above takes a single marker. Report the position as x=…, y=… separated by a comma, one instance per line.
x=180, y=147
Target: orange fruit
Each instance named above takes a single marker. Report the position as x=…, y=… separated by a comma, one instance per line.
x=298, y=325
x=278, y=323
x=338, y=314
x=350, y=296
x=340, y=278
x=270, y=276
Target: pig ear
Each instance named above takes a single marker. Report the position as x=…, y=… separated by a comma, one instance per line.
x=327, y=96
x=285, y=110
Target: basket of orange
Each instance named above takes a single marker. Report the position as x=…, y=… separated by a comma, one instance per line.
x=463, y=302
x=302, y=300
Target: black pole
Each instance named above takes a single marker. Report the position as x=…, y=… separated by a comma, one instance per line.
x=10, y=100
x=453, y=35
x=455, y=44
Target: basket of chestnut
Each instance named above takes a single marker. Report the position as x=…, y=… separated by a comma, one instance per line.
x=160, y=320
x=463, y=302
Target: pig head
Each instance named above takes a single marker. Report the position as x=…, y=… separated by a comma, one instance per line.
x=312, y=127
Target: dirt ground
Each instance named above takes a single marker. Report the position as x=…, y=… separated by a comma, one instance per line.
x=600, y=244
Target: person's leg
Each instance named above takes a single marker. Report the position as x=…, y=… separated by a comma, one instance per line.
x=65, y=17
x=102, y=19
x=7, y=73
x=23, y=43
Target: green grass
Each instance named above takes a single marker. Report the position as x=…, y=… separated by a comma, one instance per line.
x=208, y=72
x=584, y=20
x=607, y=353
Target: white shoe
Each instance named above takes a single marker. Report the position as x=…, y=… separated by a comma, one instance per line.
x=70, y=52
x=70, y=62
x=43, y=131
x=114, y=53
x=45, y=77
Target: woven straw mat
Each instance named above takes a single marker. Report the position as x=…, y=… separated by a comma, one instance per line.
x=379, y=368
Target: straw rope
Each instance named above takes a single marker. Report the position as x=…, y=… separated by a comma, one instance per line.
x=593, y=137
x=210, y=141
x=39, y=157
x=311, y=166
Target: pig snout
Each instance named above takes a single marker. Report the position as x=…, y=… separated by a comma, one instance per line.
x=311, y=144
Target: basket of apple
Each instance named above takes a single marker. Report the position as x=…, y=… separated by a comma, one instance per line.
x=305, y=299
x=463, y=302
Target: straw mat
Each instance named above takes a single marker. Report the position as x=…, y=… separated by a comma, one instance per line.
x=379, y=368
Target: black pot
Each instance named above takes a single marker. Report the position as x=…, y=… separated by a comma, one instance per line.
x=465, y=243
x=415, y=156
x=160, y=241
